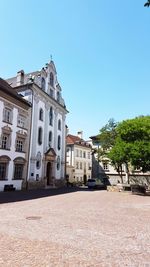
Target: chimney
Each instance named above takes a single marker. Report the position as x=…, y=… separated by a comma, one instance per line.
x=80, y=134
x=67, y=130
x=20, y=77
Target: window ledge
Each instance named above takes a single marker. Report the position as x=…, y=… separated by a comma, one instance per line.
x=17, y=179
x=8, y=122
x=20, y=151
x=22, y=127
x=5, y=148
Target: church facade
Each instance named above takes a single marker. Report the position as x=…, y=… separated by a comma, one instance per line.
x=46, y=165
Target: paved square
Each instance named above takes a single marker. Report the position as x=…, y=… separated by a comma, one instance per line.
x=82, y=228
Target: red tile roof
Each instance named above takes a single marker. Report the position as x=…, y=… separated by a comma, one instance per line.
x=73, y=139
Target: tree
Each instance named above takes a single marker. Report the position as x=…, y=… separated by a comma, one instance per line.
x=147, y=4
x=107, y=135
x=132, y=144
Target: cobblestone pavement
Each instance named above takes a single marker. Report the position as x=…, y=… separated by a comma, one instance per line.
x=82, y=228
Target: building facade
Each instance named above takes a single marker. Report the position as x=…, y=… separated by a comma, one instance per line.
x=105, y=171
x=14, y=137
x=78, y=159
x=48, y=132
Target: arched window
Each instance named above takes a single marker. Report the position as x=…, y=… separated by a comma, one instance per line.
x=43, y=84
x=41, y=114
x=58, y=163
x=40, y=136
x=51, y=79
x=59, y=142
x=51, y=116
x=59, y=124
x=38, y=160
x=50, y=139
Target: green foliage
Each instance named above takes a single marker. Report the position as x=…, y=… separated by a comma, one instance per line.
x=107, y=135
x=147, y=4
x=132, y=144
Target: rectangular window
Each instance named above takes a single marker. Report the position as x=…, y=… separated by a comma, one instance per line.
x=88, y=155
x=7, y=115
x=81, y=153
x=84, y=154
x=105, y=166
x=77, y=153
x=77, y=165
x=89, y=166
x=3, y=171
x=19, y=145
x=5, y=141
x=21, y=121
x=80, y=165
x=18, y=171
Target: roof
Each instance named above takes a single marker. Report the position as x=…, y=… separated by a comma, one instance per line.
x=5, y=87
x=13, y=81
x=76, y=140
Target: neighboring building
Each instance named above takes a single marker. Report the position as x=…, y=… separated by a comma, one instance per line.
x=101, y=166
x=14, y=137
x=48, y=132
x=102, y=169
x=78, y=158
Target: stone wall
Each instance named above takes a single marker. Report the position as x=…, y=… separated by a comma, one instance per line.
x=133, y=179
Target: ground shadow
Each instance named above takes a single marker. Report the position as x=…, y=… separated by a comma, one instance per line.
x=14, y=196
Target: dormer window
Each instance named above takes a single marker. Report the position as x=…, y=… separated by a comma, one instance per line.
x=51, y=79
x=43, y=84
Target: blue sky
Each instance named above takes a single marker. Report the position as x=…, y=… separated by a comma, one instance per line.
x=100, y=49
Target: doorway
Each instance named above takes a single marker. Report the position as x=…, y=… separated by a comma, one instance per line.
x=49, y=173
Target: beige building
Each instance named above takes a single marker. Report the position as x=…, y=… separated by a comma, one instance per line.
x=78, y=158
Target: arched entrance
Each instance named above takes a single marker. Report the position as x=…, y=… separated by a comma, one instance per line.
x=50, y=157
x=49, y=173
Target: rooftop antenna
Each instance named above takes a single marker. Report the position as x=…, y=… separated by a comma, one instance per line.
x=51, y=57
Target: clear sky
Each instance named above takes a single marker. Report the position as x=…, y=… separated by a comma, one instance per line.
x=101, y=50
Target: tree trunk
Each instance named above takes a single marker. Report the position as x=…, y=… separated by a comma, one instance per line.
x=127, y=173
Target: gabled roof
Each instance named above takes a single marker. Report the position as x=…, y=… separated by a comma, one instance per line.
x=72, y=139
x=5, y=87
x=76, y=140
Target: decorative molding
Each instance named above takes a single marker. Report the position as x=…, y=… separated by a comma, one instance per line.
x=22, y=112
x=8, y=105
x=36, y=98
x=21, y=134
x=6, y=129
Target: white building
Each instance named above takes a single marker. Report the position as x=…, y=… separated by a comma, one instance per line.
x=47, y=145
x=14, y=137
x=105, y=171
x=78, y=159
